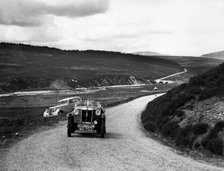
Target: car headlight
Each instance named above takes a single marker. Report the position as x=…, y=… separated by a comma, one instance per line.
x=98, y=112
x=76, y=112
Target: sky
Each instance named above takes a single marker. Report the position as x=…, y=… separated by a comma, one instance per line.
x=173, y=27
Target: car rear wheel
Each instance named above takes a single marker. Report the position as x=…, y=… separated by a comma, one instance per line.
x=60, y=113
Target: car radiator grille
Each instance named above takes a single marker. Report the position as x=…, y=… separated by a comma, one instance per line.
x=87, y=115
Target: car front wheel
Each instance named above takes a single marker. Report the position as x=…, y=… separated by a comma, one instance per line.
x=70, y=125
x=103, y=129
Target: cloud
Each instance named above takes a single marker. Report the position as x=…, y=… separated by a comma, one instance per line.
x=28, y=13
x=180, y=27
x=83, y=8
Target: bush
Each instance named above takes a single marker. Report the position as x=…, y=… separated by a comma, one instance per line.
x=184, y=136
x=218, y=127
x=215, y=146
x=205, y=141
x=200, y=128
x=179, y=113
x=197, y=81
x=207, y=93
x=190, y=97
x=150, y=127
x=193, y=90
x=170, y=129
x=183, y=141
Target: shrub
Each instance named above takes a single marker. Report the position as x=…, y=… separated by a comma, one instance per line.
x=200, y=128
x=179, y=113
x=150, y=127
x=197, y=81
x=215, y=146
x=190, y=97
x=183, y=141
x=170, y=129
x=183, y=137
x=194, y=90
x=207, y=93
x=205, y=141
x=218, y=127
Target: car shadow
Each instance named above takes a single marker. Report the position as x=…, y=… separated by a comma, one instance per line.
x=108, y=135
x=114, y=135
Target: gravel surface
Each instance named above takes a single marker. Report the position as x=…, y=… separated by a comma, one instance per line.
x=125, y=147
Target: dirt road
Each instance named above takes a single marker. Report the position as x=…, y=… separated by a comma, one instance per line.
x=125, y=147
x=172, y=75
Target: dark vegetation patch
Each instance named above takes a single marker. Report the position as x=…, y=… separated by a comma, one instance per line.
x=165, y=114
x=27, y=67
x=197, y=65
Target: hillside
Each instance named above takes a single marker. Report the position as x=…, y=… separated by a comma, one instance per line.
x=197, y=65
x=215, y=55
x=191, y=114
x=32, y=67
x=194, y=65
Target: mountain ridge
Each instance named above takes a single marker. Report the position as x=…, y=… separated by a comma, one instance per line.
x=215, y=55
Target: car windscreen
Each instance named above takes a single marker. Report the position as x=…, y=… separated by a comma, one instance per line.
x=88, y=103
x=62, y=102
x=93, y=104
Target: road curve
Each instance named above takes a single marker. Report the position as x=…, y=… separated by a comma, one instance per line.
x=172, y=75
x=125, y=147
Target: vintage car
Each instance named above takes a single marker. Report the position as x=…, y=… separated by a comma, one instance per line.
x=63, y=106
x=88, y=116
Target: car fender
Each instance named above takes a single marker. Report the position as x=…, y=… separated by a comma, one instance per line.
x=103, y=116
x=45, y=114
x=69, y=115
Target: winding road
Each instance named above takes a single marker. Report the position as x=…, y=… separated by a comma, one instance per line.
x=172, y=75
x=125, y=147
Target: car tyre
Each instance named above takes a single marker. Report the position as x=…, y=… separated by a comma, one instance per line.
x=60, y=113
x=103, y=129
x=70, y=125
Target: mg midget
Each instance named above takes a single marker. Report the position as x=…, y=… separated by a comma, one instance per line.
x=88, y=116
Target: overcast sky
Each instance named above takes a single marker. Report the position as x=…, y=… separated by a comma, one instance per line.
x=175, y=27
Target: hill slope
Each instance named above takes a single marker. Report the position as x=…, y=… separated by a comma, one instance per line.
x=215, y=55
x=25, y=66
x=197, y=65
x=194, y=65
x=192, y=114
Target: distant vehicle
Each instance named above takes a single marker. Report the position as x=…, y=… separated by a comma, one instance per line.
x=88, y=116
x=63, y=106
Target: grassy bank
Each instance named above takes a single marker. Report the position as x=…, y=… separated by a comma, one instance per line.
x=182, y=115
